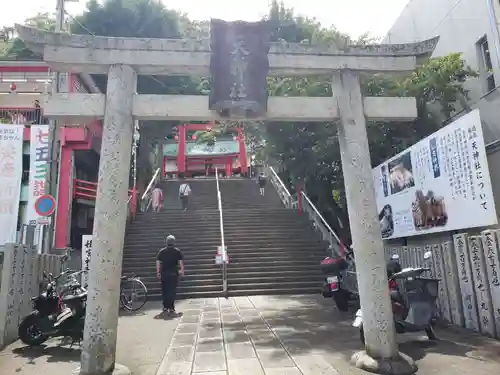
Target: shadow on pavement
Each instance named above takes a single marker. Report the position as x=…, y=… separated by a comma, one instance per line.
x=50, y=353
x=145, y=310
x=307, y=324
x=166, y=316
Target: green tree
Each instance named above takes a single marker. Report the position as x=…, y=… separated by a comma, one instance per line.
x=15, y=49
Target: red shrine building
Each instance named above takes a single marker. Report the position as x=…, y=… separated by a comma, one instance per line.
x=183, y=156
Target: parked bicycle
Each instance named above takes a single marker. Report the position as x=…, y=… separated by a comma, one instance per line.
x=133, y=293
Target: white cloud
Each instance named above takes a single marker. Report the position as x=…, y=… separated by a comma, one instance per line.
x=351, y=16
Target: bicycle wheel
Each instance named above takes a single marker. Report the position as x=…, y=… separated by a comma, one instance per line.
x=133, y=294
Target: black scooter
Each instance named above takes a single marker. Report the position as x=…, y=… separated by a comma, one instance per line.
x=55, y=315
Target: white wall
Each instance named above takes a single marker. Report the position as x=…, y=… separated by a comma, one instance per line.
x=460, y=24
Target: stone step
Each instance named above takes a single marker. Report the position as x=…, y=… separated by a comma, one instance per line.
x=229, y=226
x=236, y=211
x=231, y=242
x=234, y=253
x=217, y=273
x=253, y=290
x=244, y=279
x=294, y=264
x=212, y=268
x=242, y=209
x=234, y=259
x=214, y=231
x=229, y=221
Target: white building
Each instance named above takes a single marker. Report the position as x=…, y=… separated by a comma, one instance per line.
x=470, y=27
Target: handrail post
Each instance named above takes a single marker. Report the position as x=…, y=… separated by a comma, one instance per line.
x=222, y=240
x=134, y=201
x=299, y=197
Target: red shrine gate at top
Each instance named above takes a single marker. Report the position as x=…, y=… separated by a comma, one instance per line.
x=184, y=156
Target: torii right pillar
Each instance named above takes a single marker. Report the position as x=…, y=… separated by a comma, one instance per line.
x=381, y=351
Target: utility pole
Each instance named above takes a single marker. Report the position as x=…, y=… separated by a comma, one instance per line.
x=51, y=181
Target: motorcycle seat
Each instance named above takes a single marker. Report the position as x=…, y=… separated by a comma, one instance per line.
x=123, y=278
x=72, y=297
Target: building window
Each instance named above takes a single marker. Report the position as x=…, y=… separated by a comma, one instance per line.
x=485, y=65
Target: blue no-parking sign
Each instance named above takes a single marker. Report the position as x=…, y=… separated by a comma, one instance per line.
x=45, y=205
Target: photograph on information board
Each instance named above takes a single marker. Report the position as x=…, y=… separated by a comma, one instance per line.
x=441, y=183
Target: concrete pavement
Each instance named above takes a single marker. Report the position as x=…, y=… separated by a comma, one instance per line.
x=281, y=335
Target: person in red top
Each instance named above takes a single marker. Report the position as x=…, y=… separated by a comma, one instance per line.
x=156, y=199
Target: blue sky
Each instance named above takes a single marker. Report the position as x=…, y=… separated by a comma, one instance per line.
x=351, y=16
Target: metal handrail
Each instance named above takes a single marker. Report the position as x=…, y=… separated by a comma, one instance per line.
x=320, y=216
x=320, y=223
x=223, y=244
x=281, y=189
x=326, y=231
x=279, y=180
x=150, y=185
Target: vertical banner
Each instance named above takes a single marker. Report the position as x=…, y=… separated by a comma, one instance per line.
x=39, y=164
x=86, y=253
x=11, y=171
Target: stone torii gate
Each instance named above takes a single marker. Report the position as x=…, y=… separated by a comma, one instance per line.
x=122, y=59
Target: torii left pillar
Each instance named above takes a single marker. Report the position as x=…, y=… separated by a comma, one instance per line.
x=101, y=320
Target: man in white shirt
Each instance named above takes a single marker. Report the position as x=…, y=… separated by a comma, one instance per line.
x=184, y=193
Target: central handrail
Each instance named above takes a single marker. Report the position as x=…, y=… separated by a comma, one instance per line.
x=223, y=254
x=150, y=185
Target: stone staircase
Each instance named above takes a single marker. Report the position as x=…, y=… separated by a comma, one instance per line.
x=272, y=250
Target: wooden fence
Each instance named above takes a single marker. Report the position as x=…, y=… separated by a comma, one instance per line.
x=469, y=270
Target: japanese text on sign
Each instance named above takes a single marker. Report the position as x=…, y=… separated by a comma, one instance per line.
x=441, y=183
x=86, y=255
x=39, y=164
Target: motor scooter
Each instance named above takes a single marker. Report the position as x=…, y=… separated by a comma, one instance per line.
x=335, y=269
x=55, y=314
x=413, y=299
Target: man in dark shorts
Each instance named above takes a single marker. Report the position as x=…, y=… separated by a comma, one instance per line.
x=169, y=265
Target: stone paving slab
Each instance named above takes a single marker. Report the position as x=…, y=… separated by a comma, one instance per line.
x=281, y=335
